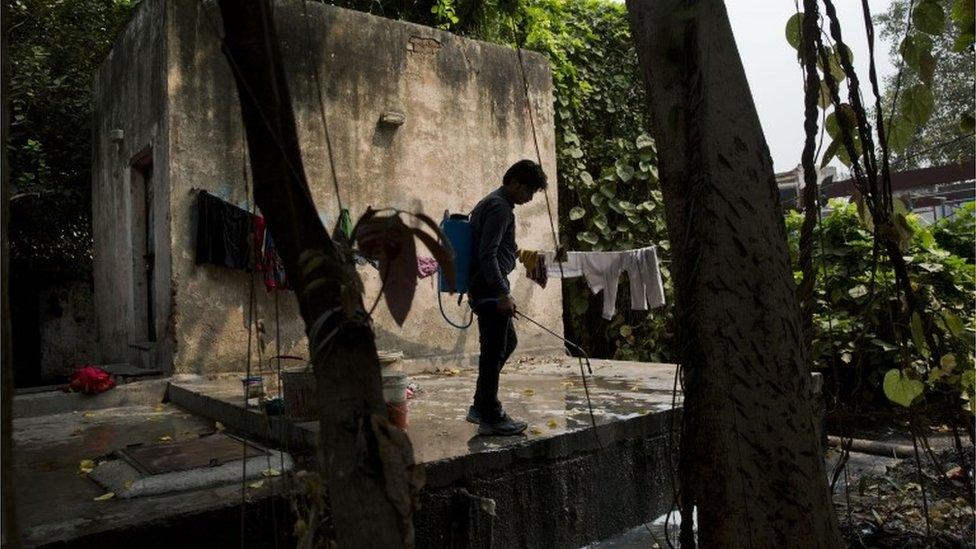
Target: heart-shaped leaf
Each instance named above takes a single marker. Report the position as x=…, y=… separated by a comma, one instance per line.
x=901, y=389
x=398, y=270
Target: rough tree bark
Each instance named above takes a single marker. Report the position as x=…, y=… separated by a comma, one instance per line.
x=11, y=527
x=367, y=463
x=751, y=462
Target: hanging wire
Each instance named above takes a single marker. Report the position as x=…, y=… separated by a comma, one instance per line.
x=555, y=235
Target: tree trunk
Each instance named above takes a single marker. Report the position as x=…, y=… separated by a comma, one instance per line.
x=751, y=462
x=11, y=527
x=367, y=463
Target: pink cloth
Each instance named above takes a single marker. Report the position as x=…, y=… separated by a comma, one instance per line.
x=426, y=266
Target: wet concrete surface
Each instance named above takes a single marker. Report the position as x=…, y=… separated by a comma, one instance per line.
x=56, y=502
x=547, y=392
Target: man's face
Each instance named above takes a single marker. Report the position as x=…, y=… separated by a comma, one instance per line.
x=522, y=194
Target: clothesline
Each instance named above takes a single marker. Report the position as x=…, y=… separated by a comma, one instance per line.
x=602, y=271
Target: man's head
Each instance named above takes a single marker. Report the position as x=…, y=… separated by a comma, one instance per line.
x=523, y=180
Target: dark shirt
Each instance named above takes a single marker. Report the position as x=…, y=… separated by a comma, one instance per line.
x=494, y=250
x=223, y=233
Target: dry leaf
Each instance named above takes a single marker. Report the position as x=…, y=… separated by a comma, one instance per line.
x=166, y=438
x=105, y=497
x=535, y=431
x=528, y=392
x=129, y=483
x=552, y=424
x=218, y=426
x=256, y=484
x=454, y=372
x=271, y=473
x=88, y=415
x=86, y=466
x=158, y=408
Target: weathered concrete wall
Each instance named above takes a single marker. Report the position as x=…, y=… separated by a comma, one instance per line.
x=128, y=96
x=466, y=122
x=69, y=328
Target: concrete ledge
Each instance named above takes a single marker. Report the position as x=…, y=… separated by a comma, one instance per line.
x=271, y=430
x=125, y=481
x=139, y=393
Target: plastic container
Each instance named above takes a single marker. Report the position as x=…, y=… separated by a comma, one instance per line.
x=253, y=386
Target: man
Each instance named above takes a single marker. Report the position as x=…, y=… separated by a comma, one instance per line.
x=492, y=259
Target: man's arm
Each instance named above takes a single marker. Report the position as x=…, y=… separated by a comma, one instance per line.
x=492, y=229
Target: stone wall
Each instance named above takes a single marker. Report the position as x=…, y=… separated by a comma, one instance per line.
x=465, y=122
x=129, y=133
x=168, y=85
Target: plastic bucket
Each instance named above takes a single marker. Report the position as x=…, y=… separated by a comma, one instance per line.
x=395, y=388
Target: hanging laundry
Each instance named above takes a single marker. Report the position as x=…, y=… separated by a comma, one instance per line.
x=267, y=260
x=426, y=266
x=535, y=266
x=223, y=232
x=602, y=272
x=570, y=268
x=646, y=286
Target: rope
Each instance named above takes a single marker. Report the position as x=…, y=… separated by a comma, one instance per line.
x=535, y=140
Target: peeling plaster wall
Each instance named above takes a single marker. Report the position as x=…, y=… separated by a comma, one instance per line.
x=465, y=123
x=128, y=96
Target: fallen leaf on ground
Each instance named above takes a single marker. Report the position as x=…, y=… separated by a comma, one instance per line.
x=454, y=371
x=528, y=392
x=569, y=384
x=86, y=466
x=271, y=473
x=88, y=414
x=535, y=431
x=106, y=496
x=166, y=438
x=256, y=484
x=128, y=483
x=158, y=408
x=552, y=424
x=218, y=426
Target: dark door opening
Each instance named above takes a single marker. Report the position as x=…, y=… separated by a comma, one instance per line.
x=143, y=249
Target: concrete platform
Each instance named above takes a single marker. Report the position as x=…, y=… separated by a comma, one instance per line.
x=561, y=485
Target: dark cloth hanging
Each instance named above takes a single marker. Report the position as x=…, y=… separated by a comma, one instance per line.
x=223, y=233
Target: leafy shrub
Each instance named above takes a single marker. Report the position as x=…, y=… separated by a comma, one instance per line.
x=859, y=335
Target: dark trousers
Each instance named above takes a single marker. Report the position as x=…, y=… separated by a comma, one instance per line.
x=496, y=334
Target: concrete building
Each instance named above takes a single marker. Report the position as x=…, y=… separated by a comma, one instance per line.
x=167, y=125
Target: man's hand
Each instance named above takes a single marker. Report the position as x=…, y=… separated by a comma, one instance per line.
x=506, y=306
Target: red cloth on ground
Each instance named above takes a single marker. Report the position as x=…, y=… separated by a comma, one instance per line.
x=91, y=380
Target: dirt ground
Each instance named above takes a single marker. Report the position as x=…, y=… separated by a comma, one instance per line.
x=883, y=501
